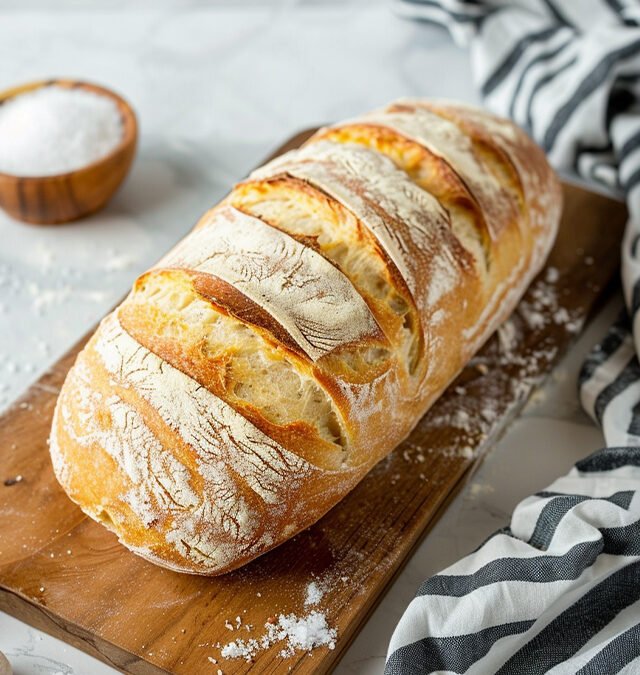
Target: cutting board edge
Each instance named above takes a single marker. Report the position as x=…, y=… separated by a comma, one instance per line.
x=37, y=616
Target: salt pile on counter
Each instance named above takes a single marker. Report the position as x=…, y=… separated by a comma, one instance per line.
x=53, y=130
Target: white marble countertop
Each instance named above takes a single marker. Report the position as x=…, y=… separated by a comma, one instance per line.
x=216, y=87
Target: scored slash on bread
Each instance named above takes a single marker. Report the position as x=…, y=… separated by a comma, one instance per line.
x=296, y=336
x=294, y=284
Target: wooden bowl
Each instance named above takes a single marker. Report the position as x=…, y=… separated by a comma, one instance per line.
x=68, y=196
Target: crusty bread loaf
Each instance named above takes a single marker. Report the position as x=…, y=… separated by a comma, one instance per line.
x=296, y=336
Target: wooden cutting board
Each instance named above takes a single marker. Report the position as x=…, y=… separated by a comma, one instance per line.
x=63, y=573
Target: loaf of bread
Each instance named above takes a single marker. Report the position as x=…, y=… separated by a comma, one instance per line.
x=299, y=332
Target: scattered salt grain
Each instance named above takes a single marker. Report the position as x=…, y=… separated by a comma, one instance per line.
x=55, y=129
x=489, y=414
x=552, y=275
x=314, y=594
x=241, y=649
x=507, y=336
x=466, y=452
x=461, y=420
x=305, y=633
x=535, y=319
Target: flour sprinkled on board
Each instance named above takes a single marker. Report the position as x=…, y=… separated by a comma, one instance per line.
x=512, y=360
x=541, y=306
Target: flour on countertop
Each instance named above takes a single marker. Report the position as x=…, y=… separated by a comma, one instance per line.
x=44, y=298
x=44, y=257
x=42, y=289
x=115, y=261
x=477, y=490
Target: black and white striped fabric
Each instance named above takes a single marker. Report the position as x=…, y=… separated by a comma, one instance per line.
x=558, y=591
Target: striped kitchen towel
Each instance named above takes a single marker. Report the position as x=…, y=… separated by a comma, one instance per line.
x=558, y=591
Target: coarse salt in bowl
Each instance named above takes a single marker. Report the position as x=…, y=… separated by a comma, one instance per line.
x=65, y=147
x=53, y=130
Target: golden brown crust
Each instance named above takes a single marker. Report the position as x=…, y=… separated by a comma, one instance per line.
x=252, y=194
x=425, y=168
x=193, y=358
x=254, y=375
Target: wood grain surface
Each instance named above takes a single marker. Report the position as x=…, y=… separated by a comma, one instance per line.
x=67, y=575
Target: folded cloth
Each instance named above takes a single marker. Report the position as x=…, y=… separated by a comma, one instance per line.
x=558, y=590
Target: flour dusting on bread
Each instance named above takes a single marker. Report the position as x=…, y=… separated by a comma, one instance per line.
x=312, y=299
x=410, y=224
